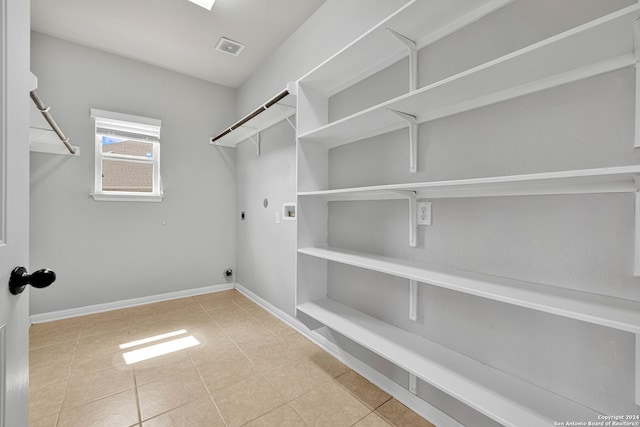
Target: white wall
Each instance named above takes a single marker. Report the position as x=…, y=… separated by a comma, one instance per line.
x=110, y=251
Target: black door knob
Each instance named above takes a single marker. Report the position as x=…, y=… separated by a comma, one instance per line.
x=20, y=279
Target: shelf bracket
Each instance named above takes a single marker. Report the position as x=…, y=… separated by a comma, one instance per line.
x=637, y=397
x=255, y=141
x=413, y=58
x=413, y=300
x=413, y=215
x=413, y=383
x=636, y=256
x=285, y=116
x=636, y=40
x=413, y=138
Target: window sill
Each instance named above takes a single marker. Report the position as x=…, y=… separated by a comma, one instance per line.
x=108, y=197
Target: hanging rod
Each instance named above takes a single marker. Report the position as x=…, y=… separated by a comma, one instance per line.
x=45, y=112
x=253, y=114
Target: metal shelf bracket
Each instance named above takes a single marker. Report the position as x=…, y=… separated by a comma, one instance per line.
x=286, y=117
x=413, y=215
x=413, y=300
x=413, y=57
x=636, y=40
x=413, y=138
x=636, y=256
x=637, y=399
x=255, y=141
x=413, y=383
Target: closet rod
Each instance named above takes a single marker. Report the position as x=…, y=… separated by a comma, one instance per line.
x=45, y=112
x=253, y=114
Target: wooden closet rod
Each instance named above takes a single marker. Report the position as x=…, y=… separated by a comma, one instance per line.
x=45, y=112
x=254, y=113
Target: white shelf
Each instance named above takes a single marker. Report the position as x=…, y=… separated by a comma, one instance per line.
x=273, y=115
x=420, y=20
x=504, y=398
x=601, y=310
x=46, y=141
x=602, y=45
x=619, y=179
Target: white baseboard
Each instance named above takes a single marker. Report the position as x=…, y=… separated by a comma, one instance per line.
x=413, y=402
x=99, y=308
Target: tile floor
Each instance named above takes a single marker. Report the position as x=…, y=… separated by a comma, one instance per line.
x=249, y=369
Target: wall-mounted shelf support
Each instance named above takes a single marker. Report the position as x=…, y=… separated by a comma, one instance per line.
x=413, y=215
x=636, y=40
x=413, y=300
x=413, y=138
x=413, y=383
x=250, y=136
x=637, y=369
x=636, y=256
x=413, y=57
x=286, y=116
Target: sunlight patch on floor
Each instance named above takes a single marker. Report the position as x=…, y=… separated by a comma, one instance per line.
x=152, y=339
x=156, y=350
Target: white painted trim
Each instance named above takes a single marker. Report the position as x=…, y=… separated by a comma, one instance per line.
x=404, y=396
x=122, y=117
x=126, y=197
x=99, y=308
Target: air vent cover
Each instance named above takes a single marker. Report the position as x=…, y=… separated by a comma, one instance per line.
x=229, y=46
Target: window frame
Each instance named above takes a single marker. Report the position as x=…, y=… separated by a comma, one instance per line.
x=143, y=129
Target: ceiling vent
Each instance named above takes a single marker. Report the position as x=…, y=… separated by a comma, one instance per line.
x=229, y=46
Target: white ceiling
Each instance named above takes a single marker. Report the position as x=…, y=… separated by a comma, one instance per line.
x=176, y=34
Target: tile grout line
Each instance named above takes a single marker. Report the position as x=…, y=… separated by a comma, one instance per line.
x=362, y=401
x=193, y=364
x=210, y=319
x=258, y=370
x=135, y=387
x=331, y=379
x=68, y=379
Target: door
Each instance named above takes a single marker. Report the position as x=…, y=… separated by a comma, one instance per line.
x=15, y=81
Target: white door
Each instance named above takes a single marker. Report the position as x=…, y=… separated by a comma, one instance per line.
x=15, y=84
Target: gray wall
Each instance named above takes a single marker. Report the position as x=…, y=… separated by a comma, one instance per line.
x=334, y=25
x=112, y=251
x=579, y=242
x=266, y=251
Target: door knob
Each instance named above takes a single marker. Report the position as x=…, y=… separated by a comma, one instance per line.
x=20, y=279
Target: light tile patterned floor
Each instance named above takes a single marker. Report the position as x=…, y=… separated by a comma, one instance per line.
x=249, y=369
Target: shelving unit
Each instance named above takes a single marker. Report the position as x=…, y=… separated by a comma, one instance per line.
x=600, y=46
x=420, y=21
x=281, y=107
x=598, y=309
x=606, y=44
x=508, y=400
x=620, y=179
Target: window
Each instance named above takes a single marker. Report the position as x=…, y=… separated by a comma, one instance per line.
x=127, y=157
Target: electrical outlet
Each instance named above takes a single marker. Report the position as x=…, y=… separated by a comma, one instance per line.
x=424, y=213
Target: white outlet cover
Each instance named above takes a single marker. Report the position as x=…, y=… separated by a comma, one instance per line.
x=424, y=213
